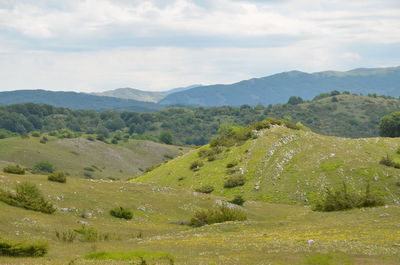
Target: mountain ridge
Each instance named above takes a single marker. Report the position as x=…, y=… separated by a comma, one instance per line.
x=279, y=87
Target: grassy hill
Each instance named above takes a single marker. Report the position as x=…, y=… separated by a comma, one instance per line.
x=342, y=115
x=83, y=158
x=274, y=234
x=288, y=166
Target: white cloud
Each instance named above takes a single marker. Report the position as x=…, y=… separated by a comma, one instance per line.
x=163, y=44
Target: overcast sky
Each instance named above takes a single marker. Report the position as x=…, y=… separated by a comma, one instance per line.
x=96, y=45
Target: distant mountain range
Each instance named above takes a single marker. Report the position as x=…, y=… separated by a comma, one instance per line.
x=279, y=87
x=73, y=100
x=267, y=90
x=131, y=93
x=140, y=95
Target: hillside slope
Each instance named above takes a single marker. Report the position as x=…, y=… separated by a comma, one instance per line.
x=279, y=87
x=131, y=93
x=83, y=158
x=343, y=115
x=288, y=166
x=73, y=100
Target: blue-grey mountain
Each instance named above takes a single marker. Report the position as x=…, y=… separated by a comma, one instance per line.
x=279, y=88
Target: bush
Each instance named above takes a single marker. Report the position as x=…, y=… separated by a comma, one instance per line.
x=121, y=212
x=232, y=164
x=35, y=134
x=387, y=161
x=24, y=249
x=89, y=234
x=27, y=196
x=58, y=177
x=14, y=169
x=66, y=236
x=196, y=165
x=218, y=215
x=43, y=167
x=205, y=189
x=210, y=153
x=238, y=200
x=343, y=200
x=44, y=140
x=234, y=181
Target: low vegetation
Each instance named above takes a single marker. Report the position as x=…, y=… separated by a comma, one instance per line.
x=342, y=199
x=58, y=177
x=196, y=165
x=388, y=161
x=218, y=215
x=14, y=169
x=22, y=249
x=90, y=234
x=43, y=167
x=238, y=200
x=121, y=212
x=234, y=181
x=27, y=196
x=144, y=257
x=205, y=189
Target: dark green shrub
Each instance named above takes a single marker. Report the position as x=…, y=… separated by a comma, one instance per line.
x=218, y=215
x=27, y=196
x=121, y=212
x=343, y=200
x=205, y=189
x=387, y=161
x=238, y=200
x=232, y=164
x=14, y=169
x=43, y=167
x=90, y=138
x=196, y=165
x=58, y=177
x=23, y=249
x=234, y=181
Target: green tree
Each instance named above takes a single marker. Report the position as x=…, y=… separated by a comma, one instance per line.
x=166, y=137
x=295, y=100
x=390, y=125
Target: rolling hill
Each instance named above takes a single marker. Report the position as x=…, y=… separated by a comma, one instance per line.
x=279, y=87
x=73, y=100
x=343, y=115
x=83, y=158
x=286, y=166
x=131, y=93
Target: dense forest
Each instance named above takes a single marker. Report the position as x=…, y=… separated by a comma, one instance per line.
x=334, y=113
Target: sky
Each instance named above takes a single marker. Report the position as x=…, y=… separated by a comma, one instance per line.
x=156, y=45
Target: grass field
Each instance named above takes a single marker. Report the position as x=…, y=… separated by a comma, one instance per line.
x=273, y=234
x=78, y=156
